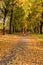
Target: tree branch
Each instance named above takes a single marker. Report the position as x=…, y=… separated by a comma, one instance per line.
x=1, y=10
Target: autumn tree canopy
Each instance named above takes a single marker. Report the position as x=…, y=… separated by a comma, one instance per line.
x=20, y=14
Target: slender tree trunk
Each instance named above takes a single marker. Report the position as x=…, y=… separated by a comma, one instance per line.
x=10, y=21
x=4, y=26
x=41, y=28
x=13, y=29
x=5, y=14
x=35, y=29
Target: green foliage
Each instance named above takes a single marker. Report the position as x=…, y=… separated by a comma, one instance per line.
x=17, y=21
x=25, y=13
x=35, y=16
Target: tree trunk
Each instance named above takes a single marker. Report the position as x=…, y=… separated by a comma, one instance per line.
x=41, y=28
x=4, y=26
x=35, y=29
x=13, y=29
x=10, y=21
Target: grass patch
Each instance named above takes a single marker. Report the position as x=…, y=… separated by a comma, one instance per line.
x=40, y=36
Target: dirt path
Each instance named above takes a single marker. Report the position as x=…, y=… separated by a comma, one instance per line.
x=20, y=50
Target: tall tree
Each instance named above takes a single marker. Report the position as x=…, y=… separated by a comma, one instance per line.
x=35, y=16
x=4, y=10
x=12, y=6
x=41, y=22
x=16, y=14
x=18, y=17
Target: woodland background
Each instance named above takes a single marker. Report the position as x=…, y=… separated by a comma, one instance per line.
x=15, y=15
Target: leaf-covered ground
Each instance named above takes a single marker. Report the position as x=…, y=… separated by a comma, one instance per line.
x=21, y=50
